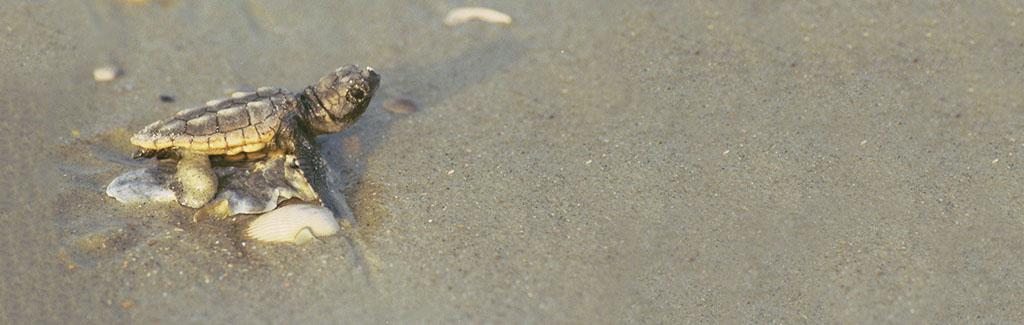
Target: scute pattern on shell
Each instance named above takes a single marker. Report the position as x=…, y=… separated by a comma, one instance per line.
x=246, y=122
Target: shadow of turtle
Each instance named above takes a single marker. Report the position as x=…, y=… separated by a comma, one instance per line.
x=348, y=151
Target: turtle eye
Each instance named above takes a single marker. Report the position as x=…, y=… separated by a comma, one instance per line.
x=356, y=94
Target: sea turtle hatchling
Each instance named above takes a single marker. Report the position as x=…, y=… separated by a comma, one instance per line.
x=251, y=125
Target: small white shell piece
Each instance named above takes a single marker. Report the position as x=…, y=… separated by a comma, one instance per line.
x=461, y=15
x=140, y=186
x=296, y=223
x=106, y=73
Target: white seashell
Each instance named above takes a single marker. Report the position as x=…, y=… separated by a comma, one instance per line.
x=298, y=223
x=461, y=15
x=141, y=186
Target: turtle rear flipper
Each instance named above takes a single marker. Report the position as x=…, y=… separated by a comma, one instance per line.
x=319, y=175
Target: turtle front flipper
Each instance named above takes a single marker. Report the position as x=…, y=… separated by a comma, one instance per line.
x=319, y=176
x=194, y=181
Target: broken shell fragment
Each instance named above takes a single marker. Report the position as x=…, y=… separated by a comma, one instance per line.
x=106, y=73
x=297, y=223
x=461, y=15
x=141, y=186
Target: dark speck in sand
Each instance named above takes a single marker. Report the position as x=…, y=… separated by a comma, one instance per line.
x=167, y=98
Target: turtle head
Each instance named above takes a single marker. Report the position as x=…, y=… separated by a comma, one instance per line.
x=340, y=97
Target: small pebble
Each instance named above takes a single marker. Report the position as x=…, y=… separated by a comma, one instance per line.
x=106, y=73
x=167, y=98
x=400, y=106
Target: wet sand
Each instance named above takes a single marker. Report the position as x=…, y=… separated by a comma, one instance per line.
x=721, y=162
